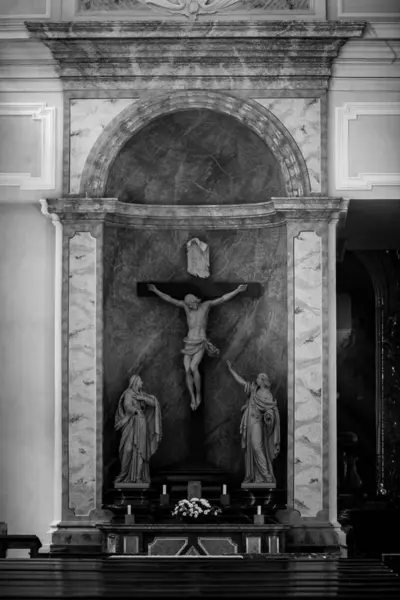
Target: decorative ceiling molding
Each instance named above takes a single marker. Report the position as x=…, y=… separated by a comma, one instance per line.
x=46, y=116
x=202, y=55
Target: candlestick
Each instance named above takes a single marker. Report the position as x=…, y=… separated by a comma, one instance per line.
x=164, y=489
x=224, y=490
x=259, y=510
x=129, y=509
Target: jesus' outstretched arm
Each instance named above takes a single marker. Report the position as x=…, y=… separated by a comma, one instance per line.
x=229, y=296
x=165, y=297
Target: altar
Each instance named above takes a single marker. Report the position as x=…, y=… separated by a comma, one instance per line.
x=196, y=251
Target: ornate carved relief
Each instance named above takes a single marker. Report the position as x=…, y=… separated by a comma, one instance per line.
x=194, y=8
x=191, y=8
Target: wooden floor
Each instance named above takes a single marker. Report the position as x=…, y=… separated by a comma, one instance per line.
x=259, y=577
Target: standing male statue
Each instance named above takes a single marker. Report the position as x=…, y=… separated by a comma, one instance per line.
x=196, y=342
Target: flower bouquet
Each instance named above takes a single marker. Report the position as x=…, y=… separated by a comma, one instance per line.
x=196, y=510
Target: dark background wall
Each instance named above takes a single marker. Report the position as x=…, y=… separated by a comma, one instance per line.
x=145, y=334
x=195, y=157
x=356, y=365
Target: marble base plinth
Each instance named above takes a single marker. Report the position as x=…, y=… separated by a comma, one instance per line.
x=74, y=540
x=182, y=539
x=134, y=487
x=312, y=534
x=258, y=486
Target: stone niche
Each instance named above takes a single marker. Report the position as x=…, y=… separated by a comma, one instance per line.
x=225, y=142
x=194, y=157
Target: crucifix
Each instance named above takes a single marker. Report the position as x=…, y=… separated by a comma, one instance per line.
x=197, y=311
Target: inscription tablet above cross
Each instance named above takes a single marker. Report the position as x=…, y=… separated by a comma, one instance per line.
x=197, y=298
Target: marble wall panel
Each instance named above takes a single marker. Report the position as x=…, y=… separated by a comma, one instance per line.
x=145, y=334
x=308, y=436
x=88, y=117
x=302, y=118
x=82, y=373
x=202, y=156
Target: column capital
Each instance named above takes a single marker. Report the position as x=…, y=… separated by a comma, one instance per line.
x=55, y=218
x=312, y=208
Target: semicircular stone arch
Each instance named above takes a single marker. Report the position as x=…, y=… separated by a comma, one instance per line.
x=248, y=112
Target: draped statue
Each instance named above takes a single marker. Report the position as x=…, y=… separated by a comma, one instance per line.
x=138, y=418
x=259, y=428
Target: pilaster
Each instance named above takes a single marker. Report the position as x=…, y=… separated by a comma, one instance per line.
x=80, y=458
x=311, y=271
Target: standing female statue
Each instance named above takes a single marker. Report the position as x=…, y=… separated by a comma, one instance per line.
x=138, y=418
x=260, y=429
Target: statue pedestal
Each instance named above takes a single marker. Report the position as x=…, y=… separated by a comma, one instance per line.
x=258, y=486
x=135, y=495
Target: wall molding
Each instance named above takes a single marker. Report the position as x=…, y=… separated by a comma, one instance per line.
x=350, y=111
x=22, y=16
x=46, y=115
x=343, y=14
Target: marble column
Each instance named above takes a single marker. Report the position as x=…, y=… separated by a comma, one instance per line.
x=79, y=323
x=312, y=478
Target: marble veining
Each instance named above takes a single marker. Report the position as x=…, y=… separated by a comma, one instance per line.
x=82, y=373
x=302, y=118
x=308, y=373
x=195, y=157
x=88, y=117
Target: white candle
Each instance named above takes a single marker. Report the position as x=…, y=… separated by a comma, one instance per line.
x=224, y=490
x=259, y=510
x=129, y=509
x=164, y=489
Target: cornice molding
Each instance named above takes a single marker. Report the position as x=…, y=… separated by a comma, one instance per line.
x=232, y=216
x=212, y=29
x=280, y=54
x=150, y=216
x=313, y=208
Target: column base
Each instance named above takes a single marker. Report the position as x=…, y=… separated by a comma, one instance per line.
x=312, y=534
x=72, y=540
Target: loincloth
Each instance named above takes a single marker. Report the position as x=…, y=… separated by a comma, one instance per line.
x=192, y=347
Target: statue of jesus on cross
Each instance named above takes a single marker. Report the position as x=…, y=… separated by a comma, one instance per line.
x=196, y=342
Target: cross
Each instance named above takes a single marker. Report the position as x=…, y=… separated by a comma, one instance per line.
x=197, y=298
